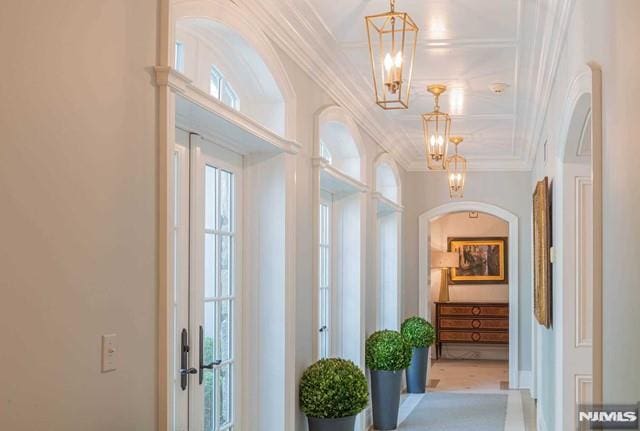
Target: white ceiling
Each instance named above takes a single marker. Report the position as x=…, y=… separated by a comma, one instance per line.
x=466, y=44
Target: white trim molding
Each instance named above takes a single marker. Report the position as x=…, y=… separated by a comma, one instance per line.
x=424, y=239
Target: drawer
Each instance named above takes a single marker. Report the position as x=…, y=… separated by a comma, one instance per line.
x=474, y=310
x=474, y=337
x=468, y=323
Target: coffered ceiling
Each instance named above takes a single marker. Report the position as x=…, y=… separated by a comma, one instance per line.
x=466, y=44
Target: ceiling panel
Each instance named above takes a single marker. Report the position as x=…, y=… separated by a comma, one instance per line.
x=465, y=44
x=437, y=19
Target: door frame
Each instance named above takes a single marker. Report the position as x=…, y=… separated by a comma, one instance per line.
x=517, y=379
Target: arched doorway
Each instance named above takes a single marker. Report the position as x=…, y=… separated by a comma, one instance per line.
x=424, y=228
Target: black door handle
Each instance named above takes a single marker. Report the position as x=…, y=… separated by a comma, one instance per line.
x=186, y=371
x=201, y=354
x=211, y=365
x=184, y=359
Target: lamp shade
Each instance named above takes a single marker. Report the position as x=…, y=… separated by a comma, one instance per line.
x=444, y=259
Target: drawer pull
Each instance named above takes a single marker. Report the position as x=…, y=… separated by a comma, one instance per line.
x=475, y=323
x=475, y=310
x=475, y=336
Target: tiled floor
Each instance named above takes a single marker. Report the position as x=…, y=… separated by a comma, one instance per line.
x=468, y=375
x=447, y=375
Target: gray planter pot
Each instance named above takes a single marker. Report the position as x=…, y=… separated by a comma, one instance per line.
x=417, y=371
x=338, y=424
x=385, y=398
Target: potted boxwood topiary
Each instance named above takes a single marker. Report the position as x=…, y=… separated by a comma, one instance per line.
x=332, y=392
x=387, y=354
x=420, y=335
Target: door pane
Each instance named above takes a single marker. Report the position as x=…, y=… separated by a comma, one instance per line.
x=210, y=260
x=225, y=265
x=225, y=201
x=224, y=388
x=210, y=197
x=210, y=324
x=225, y=330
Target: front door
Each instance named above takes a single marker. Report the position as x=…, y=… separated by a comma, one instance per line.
x=207, y=305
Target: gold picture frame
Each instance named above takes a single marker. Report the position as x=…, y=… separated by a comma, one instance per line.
x=483, y=260
x=541, y=253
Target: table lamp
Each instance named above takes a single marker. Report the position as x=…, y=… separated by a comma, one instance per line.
x=444, y=261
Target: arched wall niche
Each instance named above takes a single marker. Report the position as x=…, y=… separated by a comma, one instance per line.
x=387, y=178
x=575, y=135
x=339, y=134
x=243, y=54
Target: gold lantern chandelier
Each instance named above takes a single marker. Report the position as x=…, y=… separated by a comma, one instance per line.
x=436, y=125
x=392, y=46
x=456, y=171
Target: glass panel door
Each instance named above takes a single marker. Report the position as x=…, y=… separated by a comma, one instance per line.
x=324, y=282
x=218, y=300
x=207, y=258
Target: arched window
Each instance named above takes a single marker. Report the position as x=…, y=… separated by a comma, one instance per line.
x=389, y=218
x=222, y=90
x=220, y=53
x=340, y=228
x=202, y=50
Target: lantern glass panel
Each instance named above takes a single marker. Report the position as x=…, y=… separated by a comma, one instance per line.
x=392, y=47
x=437, y=126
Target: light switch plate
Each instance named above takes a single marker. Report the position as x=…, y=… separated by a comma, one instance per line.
x=109, y=351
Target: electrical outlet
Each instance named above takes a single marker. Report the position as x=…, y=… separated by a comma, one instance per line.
x=109, y=351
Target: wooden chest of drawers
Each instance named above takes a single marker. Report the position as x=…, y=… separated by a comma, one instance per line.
x=471, y=322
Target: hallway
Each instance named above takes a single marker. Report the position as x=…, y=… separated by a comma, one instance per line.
x=468, y=394
x=260, y=215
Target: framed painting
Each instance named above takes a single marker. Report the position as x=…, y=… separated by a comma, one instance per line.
x=541, y=253
x=481, y=260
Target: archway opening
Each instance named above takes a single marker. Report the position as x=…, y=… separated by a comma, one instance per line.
x=504, y=312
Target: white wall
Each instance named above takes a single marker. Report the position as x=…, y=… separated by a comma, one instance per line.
x=605, y=33
x=425, y=191
x=78, y=214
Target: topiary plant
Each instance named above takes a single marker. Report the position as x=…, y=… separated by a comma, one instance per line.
x=418, y=332
x=333, y=388
x=387, y=351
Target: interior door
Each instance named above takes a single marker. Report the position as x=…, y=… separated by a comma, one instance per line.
x=207, y=312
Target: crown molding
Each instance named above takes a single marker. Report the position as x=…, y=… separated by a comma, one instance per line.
x=555, y=24
x=298, y=30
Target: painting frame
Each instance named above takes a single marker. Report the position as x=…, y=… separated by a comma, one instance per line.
x=542, y=253
x=457, y=243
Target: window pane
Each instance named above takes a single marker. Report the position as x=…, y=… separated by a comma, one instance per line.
x=224, y=395
x=215, y=79
x=226, y=316
x=228, y=96
x=179, y=60
x=209, y=355
x=211, y=193
x=226, y=201
x=210, y=260
x=226, y=265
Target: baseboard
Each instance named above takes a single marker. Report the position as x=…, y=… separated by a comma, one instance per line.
x=524, y=379
x=368, y=418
